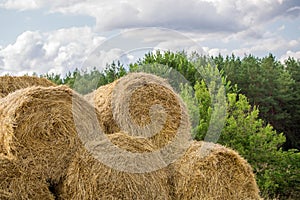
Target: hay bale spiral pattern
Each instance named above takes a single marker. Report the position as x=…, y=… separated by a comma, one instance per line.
x=211, y=171
x=142, y=105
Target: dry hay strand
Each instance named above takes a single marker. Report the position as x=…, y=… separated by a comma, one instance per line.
x=88, y=178
x=209, y=171
x=38, y=128
x=17, y=183
x=9, y=84
x=143, y=105
x=101, y=99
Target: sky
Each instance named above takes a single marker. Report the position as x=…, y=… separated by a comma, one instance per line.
x=39, y=36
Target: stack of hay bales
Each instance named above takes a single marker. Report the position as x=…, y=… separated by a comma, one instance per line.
x=220, y=173
x=135, y=94
x=39, y=134
x=46, y=132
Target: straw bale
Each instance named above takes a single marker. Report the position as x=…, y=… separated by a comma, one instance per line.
x=37, y=128
x=143, y=105
x=19, y=183
x=88, y=178
x=101, y=99
x=9, y=84
x=210, y=171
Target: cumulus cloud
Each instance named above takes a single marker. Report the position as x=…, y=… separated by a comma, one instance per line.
x=52, y=52
x=63, y=50
x=207, y=26
x=293, y=11
x=19, y=5
x=160, y=38
x=274, y=44
x=293, y=54
x=180, y=15
x=131, y=44
x=100, y=58
x=204, y=15
x=217, y=51
x=281, y=28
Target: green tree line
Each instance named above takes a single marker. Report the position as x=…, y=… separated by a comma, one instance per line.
x=261, y=119
x=272, y=86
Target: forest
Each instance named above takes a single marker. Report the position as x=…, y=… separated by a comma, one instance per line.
x=262, y=119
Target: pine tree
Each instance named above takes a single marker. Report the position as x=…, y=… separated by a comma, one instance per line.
x=293, y=67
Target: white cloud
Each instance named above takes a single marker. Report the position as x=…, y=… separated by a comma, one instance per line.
x=281, y=28
x=217, y=51
x=100, y=58
x=62, y=50
x=296, y=8
x=204, y=15
x=260, y=47
x=132, y=44
x=58, y=51
x=294, y=54
x=270, y=45
x=161, y=38
x=213, y=15
x=181, y=15
x=207, y=26
x=19, y=5
x=293, y=43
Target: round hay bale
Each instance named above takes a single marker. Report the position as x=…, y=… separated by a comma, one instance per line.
x=9, y=84
x=19, y=183
x=87, y=178
x=143, y=105
x=37, y=128
x=211, y=171
x=101, y=99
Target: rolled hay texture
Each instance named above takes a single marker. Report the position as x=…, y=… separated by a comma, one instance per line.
x=101, y=99
x=9, y=84
x=18, y=183
x=88, y=178
x=38, y=129
x=210, y=171
x=143, y=105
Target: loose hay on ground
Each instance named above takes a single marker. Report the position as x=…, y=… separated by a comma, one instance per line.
x=9, y=84
x=88, y=178
x=141, y=104
x=210, y=171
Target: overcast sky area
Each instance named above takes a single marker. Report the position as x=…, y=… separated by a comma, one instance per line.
x=58, y=36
